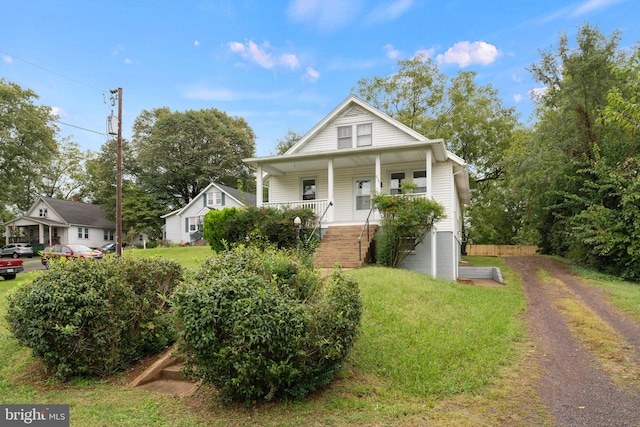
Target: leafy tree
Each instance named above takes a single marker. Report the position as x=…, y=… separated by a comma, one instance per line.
x=27, y=143
x=65, y=175
x=568, y=132
x=177, y=154
x=412, y=96
x=288, y=141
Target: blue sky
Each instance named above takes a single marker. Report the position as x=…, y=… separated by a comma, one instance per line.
x=279, y=64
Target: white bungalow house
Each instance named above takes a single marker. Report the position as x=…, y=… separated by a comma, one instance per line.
x=55, y=221
x=353, y=152
x=185, y=224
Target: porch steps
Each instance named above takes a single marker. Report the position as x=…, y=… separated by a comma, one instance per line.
x=340, y=246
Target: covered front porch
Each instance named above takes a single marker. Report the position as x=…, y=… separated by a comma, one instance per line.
x=35, y=231
x=338, y=185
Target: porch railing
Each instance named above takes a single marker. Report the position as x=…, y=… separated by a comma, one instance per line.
x=366, y=225
x=318, y=206
x=318, y=225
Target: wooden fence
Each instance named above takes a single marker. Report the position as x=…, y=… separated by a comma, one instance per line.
x=501, y=250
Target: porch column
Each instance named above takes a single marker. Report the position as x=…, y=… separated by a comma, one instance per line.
x=259, y=185
x=378, y=175
x=40, y=233
x=429, y=172
x=434, y=253
x=330, y=189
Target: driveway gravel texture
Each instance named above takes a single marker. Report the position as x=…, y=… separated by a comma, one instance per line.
x=574, y=387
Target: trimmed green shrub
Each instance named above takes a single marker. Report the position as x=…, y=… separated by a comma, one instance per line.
x=94, y=318
x=258, y=325
x=256, y=227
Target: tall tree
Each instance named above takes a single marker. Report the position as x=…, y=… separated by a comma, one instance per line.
x=552, y=170
x=27, y=142
x=178, y=154
x=288, y=141
x=65, y=176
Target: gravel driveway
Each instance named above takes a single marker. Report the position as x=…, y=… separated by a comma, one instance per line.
x=574, y=387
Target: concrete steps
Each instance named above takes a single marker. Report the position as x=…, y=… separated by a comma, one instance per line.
x=340, y=245
x=164, y=376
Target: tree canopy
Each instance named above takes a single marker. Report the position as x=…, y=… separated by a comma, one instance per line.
x=27, y=143
x=177, y=154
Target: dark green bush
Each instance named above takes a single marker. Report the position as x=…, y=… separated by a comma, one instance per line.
x=258, y=325
x=94, y=318
x=256, y=227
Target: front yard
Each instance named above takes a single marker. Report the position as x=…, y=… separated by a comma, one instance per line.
x=430, y=352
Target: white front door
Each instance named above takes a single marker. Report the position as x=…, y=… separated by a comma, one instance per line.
x=363, y=190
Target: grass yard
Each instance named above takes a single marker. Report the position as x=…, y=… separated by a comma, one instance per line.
x=430, y=353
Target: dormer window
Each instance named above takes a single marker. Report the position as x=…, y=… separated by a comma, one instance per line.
x=43, y=213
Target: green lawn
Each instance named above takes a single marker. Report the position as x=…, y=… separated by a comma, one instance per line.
x=430, y=352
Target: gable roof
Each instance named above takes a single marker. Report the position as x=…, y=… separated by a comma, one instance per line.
x=246, y=199
x=77, y=213
x=350, y=102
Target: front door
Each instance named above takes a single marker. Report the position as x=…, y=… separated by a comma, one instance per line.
x=363, y=188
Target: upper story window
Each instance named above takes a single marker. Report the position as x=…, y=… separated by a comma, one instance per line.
x=420, y=180
x=214, y=198
x=345, y=137
x=397, y=178
x=43, y=212
x=364, y=135
x=309, y=189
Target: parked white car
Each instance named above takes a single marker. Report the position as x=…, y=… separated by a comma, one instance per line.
x=16, y=250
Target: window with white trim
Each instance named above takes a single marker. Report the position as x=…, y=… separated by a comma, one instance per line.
x=309, y=189
x=420, y=180
x=83, y=233
x=43, y=212
x=345, y=137
x=214, y=198
x=108, y=235
x=364, y=134
x=193, y=223
x=395, y=185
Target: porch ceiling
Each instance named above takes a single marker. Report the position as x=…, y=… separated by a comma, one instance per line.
x=344, y=159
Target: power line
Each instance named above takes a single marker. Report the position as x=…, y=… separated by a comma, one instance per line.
x=78, y=127
x=53, y=72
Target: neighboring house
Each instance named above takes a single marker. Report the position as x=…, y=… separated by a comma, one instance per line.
x=356, y=151
x=54, y=221
x=185, y=225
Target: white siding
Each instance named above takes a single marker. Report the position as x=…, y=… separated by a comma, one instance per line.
x=35, y=212
x=442, y=190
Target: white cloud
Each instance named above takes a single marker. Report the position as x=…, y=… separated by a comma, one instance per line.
x=325, y=15
x=196, y=43
x=128, y=61
x=517, y=98
x=391, y=52
x=311, y=75
x=57, y=111
x=466, y=53
x=390, y=11
x=263, y=56
x=591, y=5
x=7, y=59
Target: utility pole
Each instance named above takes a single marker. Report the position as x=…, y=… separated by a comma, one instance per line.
x=119, y=176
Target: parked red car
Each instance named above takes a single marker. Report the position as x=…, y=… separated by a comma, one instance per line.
x=9, y=268
x=69, y=251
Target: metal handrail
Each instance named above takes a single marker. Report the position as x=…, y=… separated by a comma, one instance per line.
x=319, y=223
x=366, y=225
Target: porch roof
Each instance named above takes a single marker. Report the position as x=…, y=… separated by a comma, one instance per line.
x=350, y=158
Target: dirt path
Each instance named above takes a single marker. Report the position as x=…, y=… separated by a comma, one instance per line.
x=574, y=387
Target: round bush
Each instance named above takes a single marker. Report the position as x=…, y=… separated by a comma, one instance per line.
x=257, y=325
x=93, y=318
